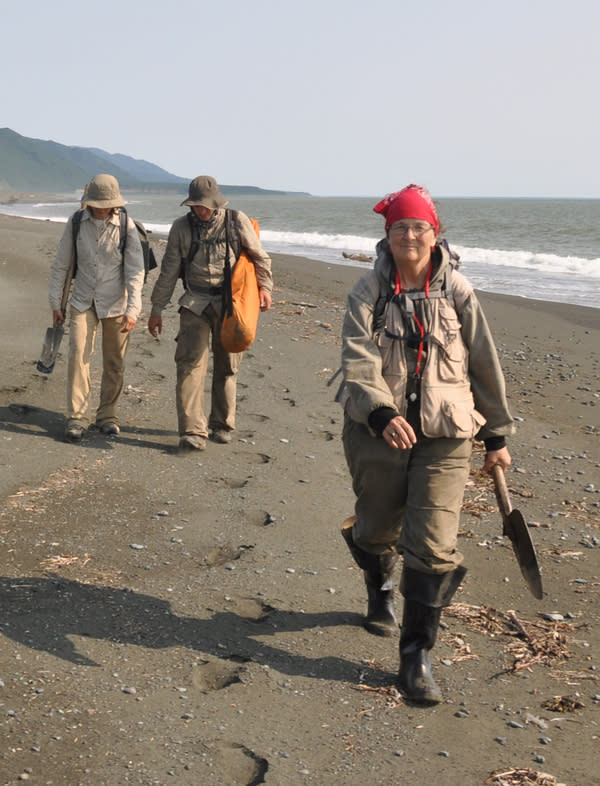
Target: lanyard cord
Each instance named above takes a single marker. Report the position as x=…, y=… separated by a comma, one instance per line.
x=399, y=289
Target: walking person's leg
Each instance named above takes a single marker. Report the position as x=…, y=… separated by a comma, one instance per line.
x=114, y=349
x=379, y=482
x=433, y=569
x=82, y=332
x=224, y=385
x=191, y=358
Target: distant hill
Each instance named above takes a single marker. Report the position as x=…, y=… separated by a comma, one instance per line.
x=42, y=166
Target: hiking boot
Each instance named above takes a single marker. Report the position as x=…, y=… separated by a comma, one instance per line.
x=110, y=429
x=73, y=432
x=222, y=436
x=190, y=442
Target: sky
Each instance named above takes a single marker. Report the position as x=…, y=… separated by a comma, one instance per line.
x=333, y=97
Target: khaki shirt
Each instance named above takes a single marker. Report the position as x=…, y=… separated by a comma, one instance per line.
x=104, y=280
x=206, y=269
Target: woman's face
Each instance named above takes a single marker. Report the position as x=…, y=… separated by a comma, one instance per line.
x=411, y=242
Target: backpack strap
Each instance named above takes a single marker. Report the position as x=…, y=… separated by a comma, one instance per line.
x=227, y=308
x=381, y=303
x=122, y=231
x=193, y=250
x=75, y=224
x=195, y=244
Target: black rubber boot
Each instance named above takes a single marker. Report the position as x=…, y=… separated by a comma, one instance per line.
x=377, y=571
x=419, y=630
x=424, y=597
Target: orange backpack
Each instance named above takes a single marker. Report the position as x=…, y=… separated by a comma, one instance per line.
x=242, y=302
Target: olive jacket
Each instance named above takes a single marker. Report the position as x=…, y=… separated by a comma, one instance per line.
x=204, y=273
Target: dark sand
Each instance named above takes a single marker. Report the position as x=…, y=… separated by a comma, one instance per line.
x=195, y=619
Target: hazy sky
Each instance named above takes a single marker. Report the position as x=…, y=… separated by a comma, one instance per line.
x=334, y=97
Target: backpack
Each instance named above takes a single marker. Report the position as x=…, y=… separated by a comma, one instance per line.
x=240, y=306
x=241, y=300
x=231, y=239
x=149, y=258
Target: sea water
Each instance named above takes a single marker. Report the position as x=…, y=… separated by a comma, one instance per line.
x=547, y=249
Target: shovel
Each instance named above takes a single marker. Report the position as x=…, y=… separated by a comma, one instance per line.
x=52, y=339
x=515, y=529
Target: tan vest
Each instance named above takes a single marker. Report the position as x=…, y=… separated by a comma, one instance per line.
x=447, y=408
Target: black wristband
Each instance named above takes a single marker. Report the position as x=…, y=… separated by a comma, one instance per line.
x=494, y=443
x=379, y=418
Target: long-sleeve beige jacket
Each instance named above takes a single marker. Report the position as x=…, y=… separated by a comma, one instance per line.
x=205, y=270
x=104, y=279
x=462, y=387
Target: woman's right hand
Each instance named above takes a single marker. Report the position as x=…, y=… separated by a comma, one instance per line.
x=57, y=317
x=399, y=433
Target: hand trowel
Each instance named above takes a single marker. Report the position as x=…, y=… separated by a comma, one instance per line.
x=50, y=348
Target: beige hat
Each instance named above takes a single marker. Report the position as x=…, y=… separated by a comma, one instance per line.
x=103, y=191
x=203, y=190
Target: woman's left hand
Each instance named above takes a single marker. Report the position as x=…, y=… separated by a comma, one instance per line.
x=399, y=433
x=493, y=457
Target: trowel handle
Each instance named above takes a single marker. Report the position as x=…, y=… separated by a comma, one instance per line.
x=501, y=488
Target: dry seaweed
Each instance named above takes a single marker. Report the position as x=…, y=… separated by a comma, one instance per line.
x=563, y=704
x=388, y=693
x=522, y=777
x=531, y=641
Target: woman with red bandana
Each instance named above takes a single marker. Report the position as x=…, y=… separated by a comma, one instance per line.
x=422, y=379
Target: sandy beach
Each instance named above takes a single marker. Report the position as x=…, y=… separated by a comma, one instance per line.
x=196, y=619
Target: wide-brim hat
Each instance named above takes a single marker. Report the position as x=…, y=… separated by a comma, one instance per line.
x=203, y=190
x=103, y=191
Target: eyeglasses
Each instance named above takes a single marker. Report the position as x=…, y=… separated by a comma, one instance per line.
x=418, y=229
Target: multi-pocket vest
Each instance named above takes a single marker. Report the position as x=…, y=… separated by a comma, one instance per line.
x=441, y=387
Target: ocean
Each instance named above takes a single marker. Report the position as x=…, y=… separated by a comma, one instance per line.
x=547, y=249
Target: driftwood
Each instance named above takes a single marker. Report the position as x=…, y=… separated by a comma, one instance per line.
x=357, y=257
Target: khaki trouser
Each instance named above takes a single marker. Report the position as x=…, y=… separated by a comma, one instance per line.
x=191, y=357
x=82, y=334
x=408, y=500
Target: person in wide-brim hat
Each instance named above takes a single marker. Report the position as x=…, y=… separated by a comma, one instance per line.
x=209, y=240
x=102, y=244
x=204, y=191
x=103, y=192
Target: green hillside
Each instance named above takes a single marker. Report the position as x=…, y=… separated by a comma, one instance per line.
x=44, y=166
x=41, y=166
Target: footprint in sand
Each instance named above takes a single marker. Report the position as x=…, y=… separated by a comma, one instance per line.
x=216, y=675
x=238, y=764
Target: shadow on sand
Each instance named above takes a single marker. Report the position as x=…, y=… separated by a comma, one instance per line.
x=21, y=418
x=42, y=613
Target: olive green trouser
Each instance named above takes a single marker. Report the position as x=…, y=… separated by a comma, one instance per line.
x=408, y=500
x=191, y=358
x=82, y=334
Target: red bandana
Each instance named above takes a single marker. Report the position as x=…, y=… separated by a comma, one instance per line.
x=412, y=202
